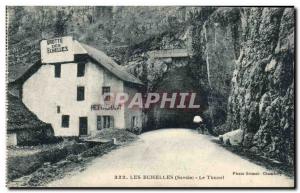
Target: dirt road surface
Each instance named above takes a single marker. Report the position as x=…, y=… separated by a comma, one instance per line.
x=173, y=158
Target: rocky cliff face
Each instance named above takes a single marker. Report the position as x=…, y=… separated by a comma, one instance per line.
x=261, y=101
x=106, y=28
x=245, y=60
x=216, y=46
x=165, y=75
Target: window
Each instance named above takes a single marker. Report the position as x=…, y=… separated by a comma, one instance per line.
x=58, y=109
x=80, y=69
x=99, y=123
x=80, y=93
x=57, y=70
x=106, y=89
x=65, y=121
x=108, y=122
x=105, y=122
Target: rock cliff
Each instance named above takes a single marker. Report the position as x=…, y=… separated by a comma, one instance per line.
x=261, y=101
x=248, y=60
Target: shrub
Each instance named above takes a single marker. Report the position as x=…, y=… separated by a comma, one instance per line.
x=98, y=150
x=18, y=166
x=135, y=130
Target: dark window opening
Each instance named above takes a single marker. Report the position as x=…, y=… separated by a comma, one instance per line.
x=106, y=89
x=80, y=93
x=80, y=69
x=65, y=121
x=58, y=109
x=57, y=70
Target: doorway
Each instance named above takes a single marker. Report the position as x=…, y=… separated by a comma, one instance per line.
x=83, y=125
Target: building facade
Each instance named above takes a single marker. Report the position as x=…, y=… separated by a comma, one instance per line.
x=67, y=94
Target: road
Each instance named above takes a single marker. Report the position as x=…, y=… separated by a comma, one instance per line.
x=172, y=157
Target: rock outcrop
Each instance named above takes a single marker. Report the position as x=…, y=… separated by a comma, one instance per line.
x=262, y=96
x=168, y=74
x=216, y=46
x=245, y=60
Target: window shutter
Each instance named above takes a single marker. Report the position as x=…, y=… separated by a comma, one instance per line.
x=104, y=122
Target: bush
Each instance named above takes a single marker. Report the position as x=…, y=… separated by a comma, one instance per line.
x=73, y=158
x=18, y=166
x=221, y=129
x=22, y=165
x=121, y=135
x=98, y=150
x=135, y=130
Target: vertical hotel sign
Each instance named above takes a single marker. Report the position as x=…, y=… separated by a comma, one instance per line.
x=56, y=50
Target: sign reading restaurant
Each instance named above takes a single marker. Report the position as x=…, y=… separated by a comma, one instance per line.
x=56, y=50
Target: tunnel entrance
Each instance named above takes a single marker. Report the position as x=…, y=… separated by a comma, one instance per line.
x=160, y=118
x=176, y=80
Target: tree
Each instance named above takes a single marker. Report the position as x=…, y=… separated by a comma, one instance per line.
x=15, y=15
x=61, y=23
x=43, y=21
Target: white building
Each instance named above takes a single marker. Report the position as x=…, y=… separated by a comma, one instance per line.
x=66, y=87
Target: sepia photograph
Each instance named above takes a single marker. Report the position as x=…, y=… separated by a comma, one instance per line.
x=150, y=97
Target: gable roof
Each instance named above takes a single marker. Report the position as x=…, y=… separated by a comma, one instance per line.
x=19, y=117
x=31, y=70
x=110, y=65
x=99, y=56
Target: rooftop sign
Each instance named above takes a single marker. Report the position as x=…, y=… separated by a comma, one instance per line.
x=56, y=50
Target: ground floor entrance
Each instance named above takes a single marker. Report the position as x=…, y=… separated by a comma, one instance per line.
x=83, y=126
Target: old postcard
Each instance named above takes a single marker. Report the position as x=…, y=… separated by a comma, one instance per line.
x=178, y=96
